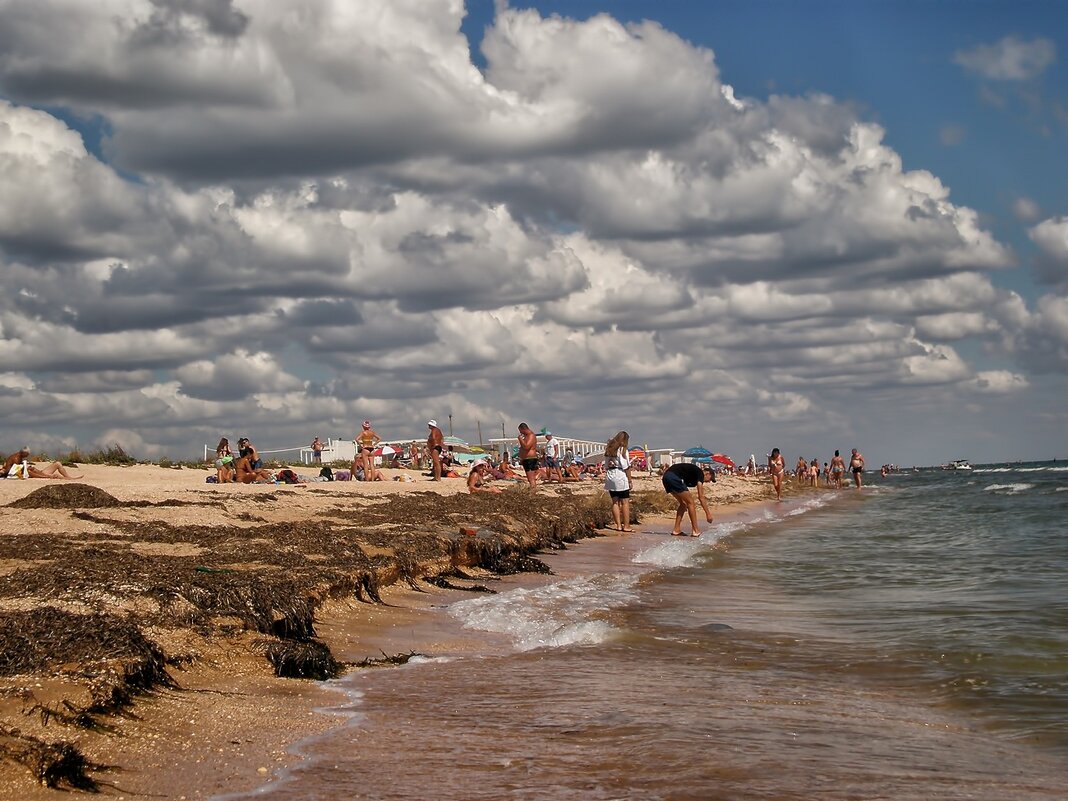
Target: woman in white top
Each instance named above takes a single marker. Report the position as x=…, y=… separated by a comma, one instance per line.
x=617, y=479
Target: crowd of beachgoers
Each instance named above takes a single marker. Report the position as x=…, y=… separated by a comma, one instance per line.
x=529, y=461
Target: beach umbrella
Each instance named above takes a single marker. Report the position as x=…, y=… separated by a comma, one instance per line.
x=458, y=445
x=384, y=450
x=697, y=451
x=635, y=453
x=719, y=457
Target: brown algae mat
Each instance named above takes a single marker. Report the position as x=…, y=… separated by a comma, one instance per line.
x=99, y=597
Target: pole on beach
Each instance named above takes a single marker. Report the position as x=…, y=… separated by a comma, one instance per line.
x=450, y=425
x=479, y=424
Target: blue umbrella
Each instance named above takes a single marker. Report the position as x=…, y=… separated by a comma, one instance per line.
x=697, y=451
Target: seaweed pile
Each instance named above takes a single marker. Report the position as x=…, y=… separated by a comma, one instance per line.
x=87, y=611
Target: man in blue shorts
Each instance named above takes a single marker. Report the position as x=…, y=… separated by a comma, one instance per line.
x=677, y=480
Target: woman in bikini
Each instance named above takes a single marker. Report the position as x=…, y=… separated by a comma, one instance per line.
x=777, y=468
x=366, y=441
x=837, y=469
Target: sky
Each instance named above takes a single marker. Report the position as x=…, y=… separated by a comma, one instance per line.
x=745, y=225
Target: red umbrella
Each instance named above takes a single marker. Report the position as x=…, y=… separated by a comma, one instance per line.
x=719, y=457
x=384, y=450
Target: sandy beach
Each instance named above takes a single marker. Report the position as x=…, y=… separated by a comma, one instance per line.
x=144, y=614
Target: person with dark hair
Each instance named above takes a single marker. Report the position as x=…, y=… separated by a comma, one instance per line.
x=528, y=454
x=224, y=462
x=777, y=469
x=18, y=465
x=678, y=480
x=837, y=470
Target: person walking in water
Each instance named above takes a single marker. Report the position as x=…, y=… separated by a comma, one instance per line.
x=837, y=469
x=678, y=480
x=777, y=468
x=856, y=466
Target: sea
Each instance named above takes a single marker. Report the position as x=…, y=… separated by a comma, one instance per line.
x=905, y=641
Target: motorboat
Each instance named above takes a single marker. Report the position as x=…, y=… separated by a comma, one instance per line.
x=958, y=464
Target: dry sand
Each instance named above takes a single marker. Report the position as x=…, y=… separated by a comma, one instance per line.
x=229, y=725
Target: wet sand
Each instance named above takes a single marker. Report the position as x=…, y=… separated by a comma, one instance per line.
x=231, y=722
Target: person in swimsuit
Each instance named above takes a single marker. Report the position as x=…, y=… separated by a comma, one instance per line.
x=777, y=468
x=837, y=469
x=814, y=473
x=856, y=465
x=366, y=441
x=528, y=454
x=18, y=465
x=677, y=481
x=801, y=470
x=435, y=443
x=224, y=462
x=247, y=474
x=476, y=478
x=317, y=451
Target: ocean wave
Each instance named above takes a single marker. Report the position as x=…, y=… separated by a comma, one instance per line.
x=551, y=616
x=681, y=551
x=1010, y=489
x=1046, y=469
x=807, y=506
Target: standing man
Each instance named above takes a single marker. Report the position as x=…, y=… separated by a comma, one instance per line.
x=856, y=465
x=317, y=451
x=677, y=482
x=552, y=457
x=528, y=454
x=435, y=442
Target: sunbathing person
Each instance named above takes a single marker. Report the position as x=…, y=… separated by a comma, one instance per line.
x=246, y=474
x=18, y=465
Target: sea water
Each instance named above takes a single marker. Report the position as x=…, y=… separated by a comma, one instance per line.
x=907, y=641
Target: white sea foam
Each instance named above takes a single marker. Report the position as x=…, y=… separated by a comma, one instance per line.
x=1009, y=489
x=680, y=551
x=808, y=506
x=1044, y=469
x=558, y=614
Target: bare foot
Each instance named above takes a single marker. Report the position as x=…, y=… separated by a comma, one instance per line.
x=696, y=534
x=677, y=534
x=626, y=530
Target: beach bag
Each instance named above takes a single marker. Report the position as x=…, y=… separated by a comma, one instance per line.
x=326, y=473
x=288, y=477
x=211, y=480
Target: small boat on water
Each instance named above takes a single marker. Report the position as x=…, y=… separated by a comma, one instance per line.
x=958, y=464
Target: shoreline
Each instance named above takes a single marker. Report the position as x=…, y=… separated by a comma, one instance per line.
x=233, y=722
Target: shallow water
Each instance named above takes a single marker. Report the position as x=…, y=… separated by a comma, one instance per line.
x=906, y=642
